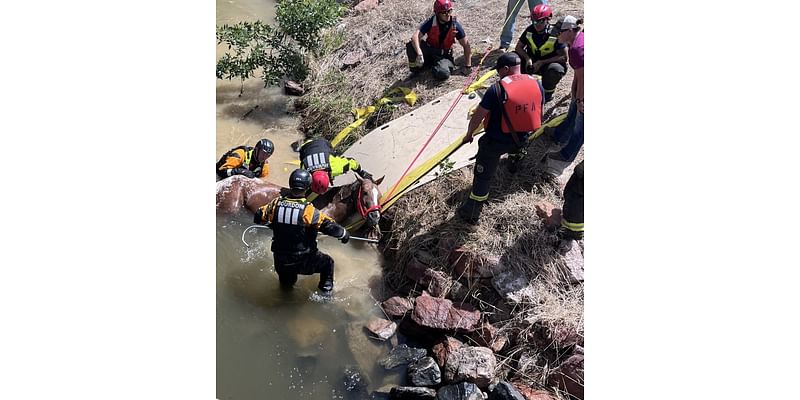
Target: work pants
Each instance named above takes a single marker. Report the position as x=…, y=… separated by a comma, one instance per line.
x=572, y=212
x=512, y=10
x=568, y=136
x=441, y=61
x=288, y=265
x=486, y=161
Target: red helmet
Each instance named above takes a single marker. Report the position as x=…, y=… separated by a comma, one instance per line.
x=541, y=11
x=440, y=6
x=320, y=182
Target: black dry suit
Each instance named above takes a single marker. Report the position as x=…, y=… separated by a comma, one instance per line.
x=315, y=155
x=295, y=223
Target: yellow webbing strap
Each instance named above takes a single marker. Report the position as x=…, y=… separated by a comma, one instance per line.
x=394, y=95
x=480, y=83
x=424, y=168
x=552, y=123
x=417, y=173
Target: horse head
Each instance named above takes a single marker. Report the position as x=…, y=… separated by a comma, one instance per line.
x=368, y=199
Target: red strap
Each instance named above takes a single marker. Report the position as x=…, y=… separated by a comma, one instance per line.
x=441, y=122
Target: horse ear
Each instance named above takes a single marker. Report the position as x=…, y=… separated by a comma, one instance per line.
x=378, y=182
x=360, y=179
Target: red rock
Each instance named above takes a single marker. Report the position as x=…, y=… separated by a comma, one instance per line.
x=437, y=313
x=530, y=393
x=544, y=209
x=438, y=283
x=487, y=336
x=569, y=376
x=443, y=348
x=381, y=328
x=397, y=306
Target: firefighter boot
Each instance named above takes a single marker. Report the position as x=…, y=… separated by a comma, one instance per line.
x=514, y=159
x=470, y=211
x=326, y=281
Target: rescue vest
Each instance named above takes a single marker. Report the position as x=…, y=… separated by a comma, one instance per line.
x=547, y=47
x=315, y=155
x=433, y=35
x=522, y=105
x=291, y=234
x=252, y=165
x=247, y=152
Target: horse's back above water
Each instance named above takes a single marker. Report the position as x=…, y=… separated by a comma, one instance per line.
x=339, y=203
x=239, y=191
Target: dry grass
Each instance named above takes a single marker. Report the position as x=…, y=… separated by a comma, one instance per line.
x=378, y=38
x=509, y=226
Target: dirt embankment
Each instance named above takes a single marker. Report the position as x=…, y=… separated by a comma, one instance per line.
x=543, y=321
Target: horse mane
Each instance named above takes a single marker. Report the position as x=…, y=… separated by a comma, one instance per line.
x=347, y=191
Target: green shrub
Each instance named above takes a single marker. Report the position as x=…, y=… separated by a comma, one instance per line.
x=277, y=51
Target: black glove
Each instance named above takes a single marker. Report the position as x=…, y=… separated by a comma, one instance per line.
x=244, y=171
x=345, y=238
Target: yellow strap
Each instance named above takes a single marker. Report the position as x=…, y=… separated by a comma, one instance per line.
x=419, y=171
x=479, y=84
x=363, y=111
x=361, y=114
x=355, y=225
x=552, y=123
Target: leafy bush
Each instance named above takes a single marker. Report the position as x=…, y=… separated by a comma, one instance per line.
x=278, y=51
x=303, y=20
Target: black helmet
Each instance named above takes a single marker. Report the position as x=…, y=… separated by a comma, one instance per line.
x=264, y=145
x=300, y=179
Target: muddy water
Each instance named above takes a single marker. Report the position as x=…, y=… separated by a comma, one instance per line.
x=270, y=344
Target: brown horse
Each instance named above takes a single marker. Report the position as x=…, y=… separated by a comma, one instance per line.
x=240, y=191
x=362, y=196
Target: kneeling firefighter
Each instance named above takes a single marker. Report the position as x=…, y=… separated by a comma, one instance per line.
x=295, y=223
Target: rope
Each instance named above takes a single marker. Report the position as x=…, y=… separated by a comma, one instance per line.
x=441, y=122
x=508, y=17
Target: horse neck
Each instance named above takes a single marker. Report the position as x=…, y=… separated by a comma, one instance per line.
x=341, y=208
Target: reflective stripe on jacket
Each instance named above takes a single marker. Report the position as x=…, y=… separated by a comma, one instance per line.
x=538, y=53
x=294, y=222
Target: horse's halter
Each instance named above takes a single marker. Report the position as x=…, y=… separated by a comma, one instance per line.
x=361, y=210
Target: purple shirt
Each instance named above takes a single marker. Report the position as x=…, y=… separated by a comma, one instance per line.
x=576, y=52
